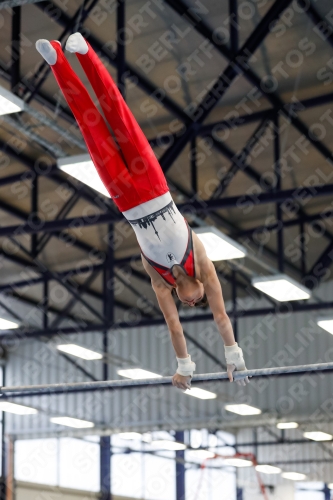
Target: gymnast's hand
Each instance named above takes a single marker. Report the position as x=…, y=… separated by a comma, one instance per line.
x=181, y=381
x=235, y=362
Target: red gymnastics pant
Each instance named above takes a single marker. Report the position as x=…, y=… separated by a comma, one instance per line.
x=133, y=176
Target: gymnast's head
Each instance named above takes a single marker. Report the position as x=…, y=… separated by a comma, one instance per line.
x=190, y=291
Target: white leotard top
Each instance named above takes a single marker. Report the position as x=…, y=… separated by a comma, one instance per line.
x=161, y=230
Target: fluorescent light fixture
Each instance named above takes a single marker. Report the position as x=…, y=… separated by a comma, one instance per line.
x=9, y=102
x=81, y=167
x=218, y=246
x=5, y=324
x=137, y=374
x=318, y=436
x=17, y=409
x=242, y=409
x=294, y=476
x=130, y=435
x=326, y=324
x=201, y=454
x=268, y=469
x=237, y=462
x=200, y=393
x=282, y=288
x=72, y=422
x=287, y=425
x=165, y=444
x=80, y=352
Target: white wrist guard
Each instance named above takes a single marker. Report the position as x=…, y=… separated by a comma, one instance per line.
x=186, y=366
x=234, y=356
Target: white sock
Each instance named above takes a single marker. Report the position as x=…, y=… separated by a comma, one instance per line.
x=47, y=51
x=76, y=43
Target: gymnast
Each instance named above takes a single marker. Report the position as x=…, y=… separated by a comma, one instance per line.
x=172, y=255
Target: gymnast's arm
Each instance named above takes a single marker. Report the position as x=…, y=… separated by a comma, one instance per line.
x=170, y=313
x=233, y=353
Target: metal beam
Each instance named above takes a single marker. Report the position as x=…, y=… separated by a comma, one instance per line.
x=319, y=268
x=121, y=34
x=213, y=96
x=16, y=53
x=286, y=307
x=287, y=110
x=75, y=387
x=239, y=161
x=321, y=24
x=246, y=201
x=278, y=185
x=11, y=4
x=202, y=206
x=180, y=467
x=306, y=219
x=105, y=468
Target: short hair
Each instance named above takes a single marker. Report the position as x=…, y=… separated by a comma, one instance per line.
x=202, y=302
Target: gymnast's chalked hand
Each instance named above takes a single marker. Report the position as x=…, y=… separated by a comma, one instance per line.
x=181, y=382
x=231, y=369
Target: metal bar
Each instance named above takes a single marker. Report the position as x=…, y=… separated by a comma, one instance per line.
x=202, y=206
x=237, y=120
x=213, y=96
x=121, y=46
x=34, y=214
x=180, y=468
x=105, y=468
x=201, y=27
x=321, y=24
x=70, y=287
x=199, y=206
x=194, y=167
x=319, y=268
x=284, y=442
x=16, y=55
x=233, y=26
x=239, y=161
x=51, y=389
x=6, y=4
x=306, y=219
x=303, y=248
x=45, y=303
x=55, y=174
x=63, y=314
x=67, y=207
x=277, y=173
x=13, y=178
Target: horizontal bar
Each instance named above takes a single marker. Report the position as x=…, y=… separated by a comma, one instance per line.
x=51, y=389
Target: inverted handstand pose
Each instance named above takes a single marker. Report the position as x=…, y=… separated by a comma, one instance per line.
x=172, y=254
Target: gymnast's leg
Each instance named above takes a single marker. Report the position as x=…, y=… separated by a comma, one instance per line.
x=102, y=148
x=139, y=156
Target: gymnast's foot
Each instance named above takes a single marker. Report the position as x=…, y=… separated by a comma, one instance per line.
x=76, y=43
x=47, y=51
